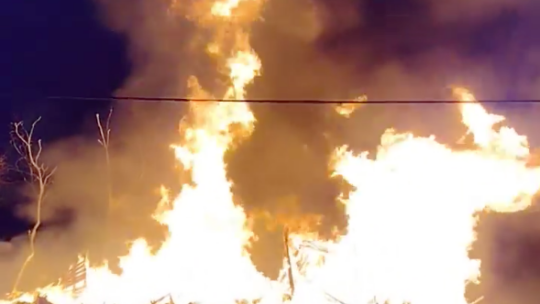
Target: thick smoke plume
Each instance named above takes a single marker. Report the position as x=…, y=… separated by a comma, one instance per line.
x=320, y=49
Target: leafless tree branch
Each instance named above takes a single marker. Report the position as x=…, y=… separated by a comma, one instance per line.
x=105, y=135
x=40, y=175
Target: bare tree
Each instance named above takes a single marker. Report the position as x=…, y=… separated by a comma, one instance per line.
x=39, y=175
x=105, y=135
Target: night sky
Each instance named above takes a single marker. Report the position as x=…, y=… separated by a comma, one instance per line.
x=54, y=48
x=388, y=49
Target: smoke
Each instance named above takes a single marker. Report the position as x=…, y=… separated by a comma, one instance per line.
x=320, y=49
x=78, y=217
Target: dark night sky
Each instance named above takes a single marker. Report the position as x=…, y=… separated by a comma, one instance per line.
x=52, y=48
x=56, y=48
x=62, y=47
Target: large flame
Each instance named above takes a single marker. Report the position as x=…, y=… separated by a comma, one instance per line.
x=411, y=216
x=208, y=234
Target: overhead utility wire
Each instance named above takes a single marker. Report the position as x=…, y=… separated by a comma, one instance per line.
x=283, y=101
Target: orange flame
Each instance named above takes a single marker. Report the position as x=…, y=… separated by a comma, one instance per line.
x=411, y=215
x=410, y=218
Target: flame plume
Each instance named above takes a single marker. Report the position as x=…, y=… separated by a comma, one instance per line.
x=208, y=234
x=411, y=216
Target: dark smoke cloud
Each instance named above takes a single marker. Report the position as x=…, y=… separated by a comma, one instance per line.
x=473, y=12
x=393, y=49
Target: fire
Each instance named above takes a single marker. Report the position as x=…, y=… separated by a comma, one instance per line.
x=411, y=216
x=224, y=8
x=206, y=248
x=347, y=109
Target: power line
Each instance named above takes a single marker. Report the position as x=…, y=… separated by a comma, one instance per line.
x=286, y=101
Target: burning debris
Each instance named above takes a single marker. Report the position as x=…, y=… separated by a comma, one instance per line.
x=75, y=278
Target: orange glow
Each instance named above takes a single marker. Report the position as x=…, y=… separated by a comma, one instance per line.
x=410, y=218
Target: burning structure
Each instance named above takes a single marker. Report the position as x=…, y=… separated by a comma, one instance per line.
x=417, y=254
